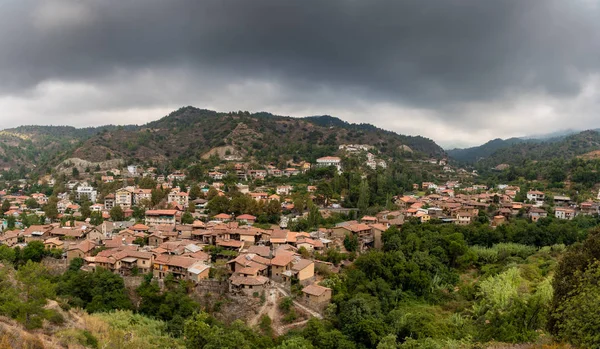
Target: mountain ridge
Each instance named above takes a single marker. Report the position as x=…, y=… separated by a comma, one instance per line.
x=189, y=133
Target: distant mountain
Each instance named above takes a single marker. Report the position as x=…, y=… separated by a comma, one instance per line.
x=552, y=135
x=585, y=144
x=38, y=146
x=189, y=134
x=474, y=154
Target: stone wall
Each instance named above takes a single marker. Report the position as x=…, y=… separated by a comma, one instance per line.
x=55, y=266
x=211, y=286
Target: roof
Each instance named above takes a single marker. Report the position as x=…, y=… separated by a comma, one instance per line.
x=329, y=158
x=177, y=261
x=282, y=259
x=198, y=268
x=302, y=264
x=85, y=246
x=230, y=243
x=263, y=251
x=140, y=226
x=315, y=290
x=246, y=216
x=222, y=216
x=238, y=280
x=161, y=212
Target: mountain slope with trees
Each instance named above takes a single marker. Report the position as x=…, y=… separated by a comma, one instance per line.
x=189, y=134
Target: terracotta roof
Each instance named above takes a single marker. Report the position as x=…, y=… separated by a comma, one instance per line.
x=85, y=246
x=282, y=259
x=315, y=290
x=250, y=281
x=263, y=251
x=161, y=212
x=246, y=216
x=222, y=216
x=302, y=264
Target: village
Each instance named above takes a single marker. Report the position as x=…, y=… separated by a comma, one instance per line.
x=180, y=238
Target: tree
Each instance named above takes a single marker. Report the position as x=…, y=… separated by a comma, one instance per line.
x=351, y=243
x=195, y=192
x=75, y=172
x=363, y=197
x=5, y=205
x=96, y=218
x=147, y=183
x=35, y=289
x=85, y=208
x=577, y=322
x=34, y=251
x=10, y=222
x=187, y=218
x=31, y=203
x=51, y=209
x=117, y=214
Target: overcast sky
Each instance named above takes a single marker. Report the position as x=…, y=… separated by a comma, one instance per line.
x=458, y=71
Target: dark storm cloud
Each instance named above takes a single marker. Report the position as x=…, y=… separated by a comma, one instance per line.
x=469, y=70
x=415, y=52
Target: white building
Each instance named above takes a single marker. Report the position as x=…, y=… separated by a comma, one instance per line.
x=330, y=161
x=86, y=191
x=284, y=189
x=536, y=197
x=564, y=213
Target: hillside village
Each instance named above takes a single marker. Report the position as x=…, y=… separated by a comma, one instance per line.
x=129, y=233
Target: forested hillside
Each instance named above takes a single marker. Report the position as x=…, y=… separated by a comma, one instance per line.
x=189, y=134
x=585, y=144
x=474, y=154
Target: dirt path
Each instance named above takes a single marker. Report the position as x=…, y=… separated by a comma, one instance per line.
x=301, y=306
x=270, y=307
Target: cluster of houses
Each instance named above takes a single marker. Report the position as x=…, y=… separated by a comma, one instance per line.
x=443, y=203
x=255, y=257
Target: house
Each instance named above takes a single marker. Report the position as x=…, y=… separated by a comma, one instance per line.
x=123, y=198
x=536, y=197
x=176, y=176
x=560, y=200
x=215, y=175
x=302, y=269
x=316, y=296
x=9, y=238
x=176, y=265
x=54, y=243
x=198, y=271
x=363, y=233
x=86, y=192
x=107, y=179
x=589, y=207
x=564, y=213
x=330, y=161
x=535, y=213
x=309, y=244
x=37, y=232
x=249, y=285
x=222, y=217
x=80, y=250
x=281, y=263
x=246, y=218
x=157, y=217
x=498, y=221
x=109, y=201
x=140, y=195
x=466, y=217
x=284, y=189
x=259, y=196
x=179, y=198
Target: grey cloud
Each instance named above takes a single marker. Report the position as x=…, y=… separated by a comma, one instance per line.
x=436, y=54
